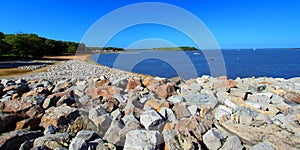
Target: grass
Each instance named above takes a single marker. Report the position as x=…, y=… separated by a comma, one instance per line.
x=8, y=72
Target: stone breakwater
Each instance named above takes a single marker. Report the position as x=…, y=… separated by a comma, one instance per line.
x=120, y=110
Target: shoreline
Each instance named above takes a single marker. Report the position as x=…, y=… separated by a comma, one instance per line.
x=77, y=104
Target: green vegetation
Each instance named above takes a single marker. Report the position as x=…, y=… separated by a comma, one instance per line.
x=104, y=48
x=22, y=45
x=183, y=48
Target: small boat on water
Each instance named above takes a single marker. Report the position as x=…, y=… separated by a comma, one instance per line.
x=196, y=53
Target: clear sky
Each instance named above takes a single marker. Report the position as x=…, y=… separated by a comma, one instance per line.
x=234, y=23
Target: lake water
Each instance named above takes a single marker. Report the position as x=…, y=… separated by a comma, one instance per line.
x=238, y=63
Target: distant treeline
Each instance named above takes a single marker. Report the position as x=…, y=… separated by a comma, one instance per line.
x=23, y=45
x=184, y=48
x=104, y=48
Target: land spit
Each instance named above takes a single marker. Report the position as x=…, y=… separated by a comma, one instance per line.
x=76, y=105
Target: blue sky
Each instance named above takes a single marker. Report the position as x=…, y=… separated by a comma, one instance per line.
x=233, y=23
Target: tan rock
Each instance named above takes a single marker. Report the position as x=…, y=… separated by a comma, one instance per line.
x=15, y=96
x=224, y=83
x=165, y=90
x=31, y=123
x=132, y=83
x=59, y=117
x=156, y=104
x=14, y=106
x=181, y=111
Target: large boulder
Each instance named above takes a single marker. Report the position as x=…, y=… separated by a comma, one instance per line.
x=141, y=139
x=59, y=117
x=150, y=119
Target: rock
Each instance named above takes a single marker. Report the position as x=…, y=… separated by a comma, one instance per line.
x=175, y=99
x=112, y=134
x=96, y=111
x=200, y=99
x=13, y=140
x=222, y=111
x=224, y=83
x=133, y=83
x=31, y=123
x=212, y=139
x=129, y=127
x=262, y=146
x=130, y=118
x=193, y=109
x=35, y=111
x=181, y=111
x=156, y=104
x=150, y=119
x=102, y=123
x=59, y=117
x=6, y=120
x=174, y=140
x=232, y=143
x=141, y=139
x=14, y=106
x=268, y=133
x=192, y=125
x=168, y=114
x=52, y=141
x=80, y=141
x=165, y=90
x=50, y=130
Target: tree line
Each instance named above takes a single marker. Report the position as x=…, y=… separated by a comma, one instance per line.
x=32, y=46
x=25, y=45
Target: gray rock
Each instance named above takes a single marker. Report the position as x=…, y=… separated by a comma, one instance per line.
x=212, y=139
x=78, y=144
x=150, y=119
x=112, y=134
x=81, y=139
x=222, y=111
x=232, y=143
x=50, y=130
x=61, y=148
x=102, y=123
x=13, y=140
x=129, y=119
x=142, y=140
x=116, y=114
x=200, y=99
x=96, y=111
x=168, y=114
x=52, y=141
x=262, y=146
x=193, y=109
x=175, y=99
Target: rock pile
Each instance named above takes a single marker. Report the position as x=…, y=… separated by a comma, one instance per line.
x=150, y=113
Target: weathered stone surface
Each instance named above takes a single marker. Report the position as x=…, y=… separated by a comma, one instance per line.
x=268, y=133
x=168, y=114
x=13, y=140
x=165, y=90
x=133, y=83
x=150, y=119
x=50, y=130
x=262, y=146
x=96, y=111
x=156, y=104
x=181, y=111
x=59, y=116
x=232, y=143
x=31, y=123
x=175, y=99
x=224, y=83
x=14, y=106
x=212, y=139
x=81, y=139
x=6, y=120
x=200, y=99
x=102, y=123
x=112, y=134
x=52, y=141
x=141, y=139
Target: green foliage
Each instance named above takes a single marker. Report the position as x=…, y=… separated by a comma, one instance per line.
x=33, y=46
x=104, y=48
x=183, y=48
